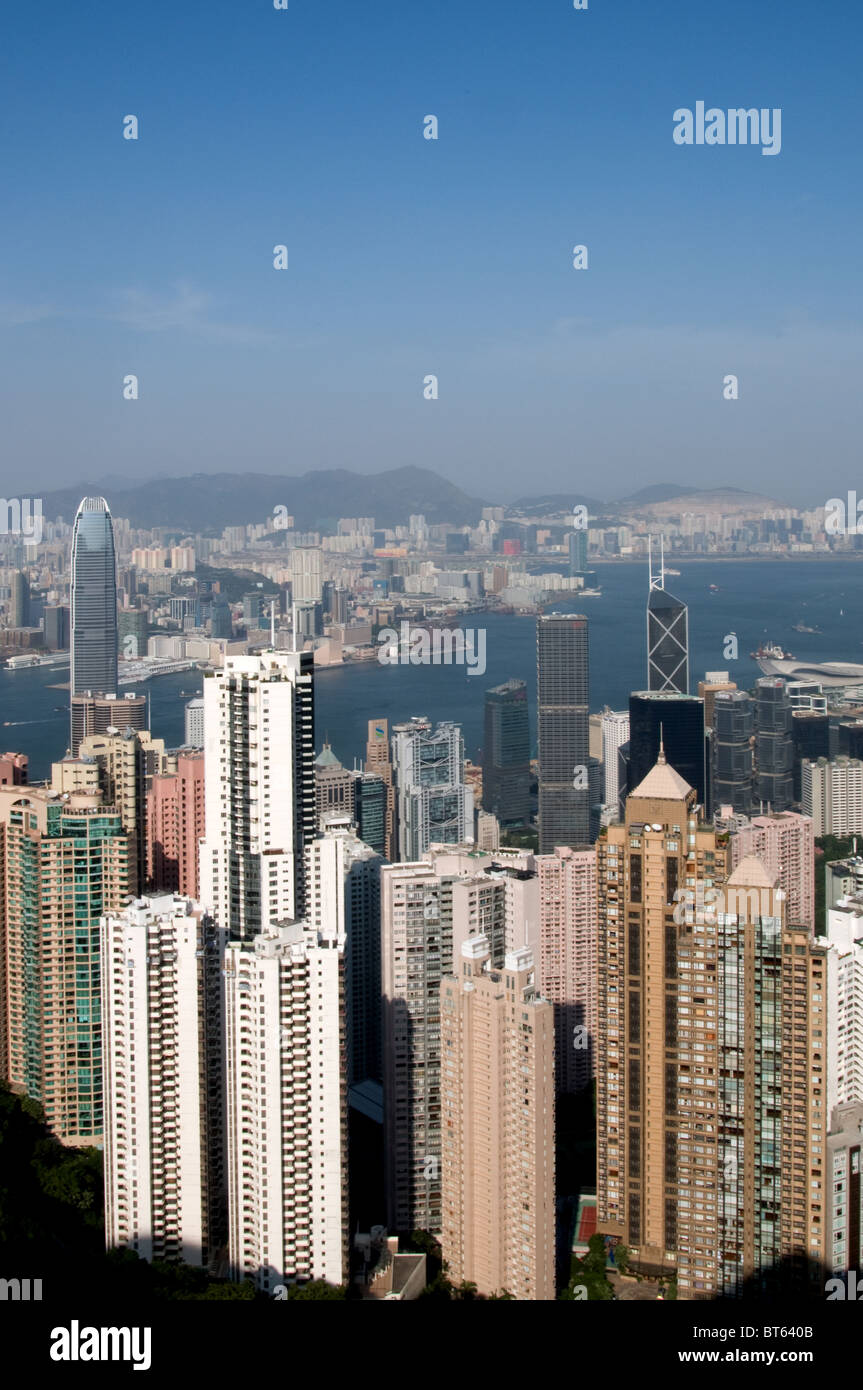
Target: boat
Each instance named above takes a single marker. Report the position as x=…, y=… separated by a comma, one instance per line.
x=771, y=651
x=801, y=627
x=675, y=573
x=28, y=659
x=714, y=588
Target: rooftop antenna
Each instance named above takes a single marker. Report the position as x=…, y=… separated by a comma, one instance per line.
x=657, y=579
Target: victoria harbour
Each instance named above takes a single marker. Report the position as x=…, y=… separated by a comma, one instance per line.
x=754, y=600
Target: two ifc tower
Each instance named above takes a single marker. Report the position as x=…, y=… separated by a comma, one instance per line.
x=93, y=601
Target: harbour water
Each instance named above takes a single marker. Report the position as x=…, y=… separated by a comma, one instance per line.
x=755, y=600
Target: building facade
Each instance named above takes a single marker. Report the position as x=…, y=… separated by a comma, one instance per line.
x=563, y=679
x=259, y=789
x=497, y=1107
x=164, y=1160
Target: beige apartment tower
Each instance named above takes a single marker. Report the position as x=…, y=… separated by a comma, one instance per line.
x=497, y=1111
x=645, y=865
x=712, y=1099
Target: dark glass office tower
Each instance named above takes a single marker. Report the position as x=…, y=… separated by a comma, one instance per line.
x=810, y=734
x=733, y=727
x=850, y=739
x=774, y=744
x=577, y=552
x=679, y=720
x=93, y=601
x=506, y=753
x=562, y=674
x=370, y=793
x=667, y=643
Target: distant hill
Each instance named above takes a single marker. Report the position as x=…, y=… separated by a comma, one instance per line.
x=556, y=503
x=210, y=501
x=721, y=499
x=659, y=492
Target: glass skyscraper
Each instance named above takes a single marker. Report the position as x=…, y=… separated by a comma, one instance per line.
x=562, y=674
x=506, y=753
x=94, y=601
x=667, y=635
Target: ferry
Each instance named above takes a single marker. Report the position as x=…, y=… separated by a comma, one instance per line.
x=28, y=659
x=771, y=651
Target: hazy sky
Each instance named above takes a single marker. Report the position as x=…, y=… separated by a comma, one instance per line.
x=409, y=256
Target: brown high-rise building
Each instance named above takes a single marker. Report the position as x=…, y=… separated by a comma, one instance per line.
x=714, y=683
x=175, y=825
x=642, y=865
x=13, y=769
x=378, y=760
x=711, y=1065
x=497, y=1114
x=126, y=763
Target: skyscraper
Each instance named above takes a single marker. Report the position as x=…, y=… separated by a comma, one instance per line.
x=731, y=750
x=676, y=721
x=667, y=636
x=615, y=733
x=175, y=825
x=19, y=603
x=497, y=1112
x=785, y=844
x=65, y=861
x=427, y=910
x=434, y=803
x=712, y=1067
x=93, y=600
x=306, y=574
x=164, y=1160
x=810, y=734
x=259, y=789
x=562, y=674
x=284, y=1003
x=96, y=714
x=416, y=950
x=642, y=865
x=378, y=761
x=194, y=723
x=344, y=880
x=566, y=958
x=774, y=744
x=127, y=762
x=577, y=552
x=506, y=753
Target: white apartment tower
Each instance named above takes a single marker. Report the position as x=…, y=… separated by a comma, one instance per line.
x=845, y=1002
x=344, y=891
x=164, y=1165
x=832, y=794
x=306, y=574
x=194, y=723
x=284, y=1002
x=259, y=790
x=615, y=732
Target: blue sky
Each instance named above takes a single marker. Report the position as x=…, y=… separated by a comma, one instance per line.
x=410, y=257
